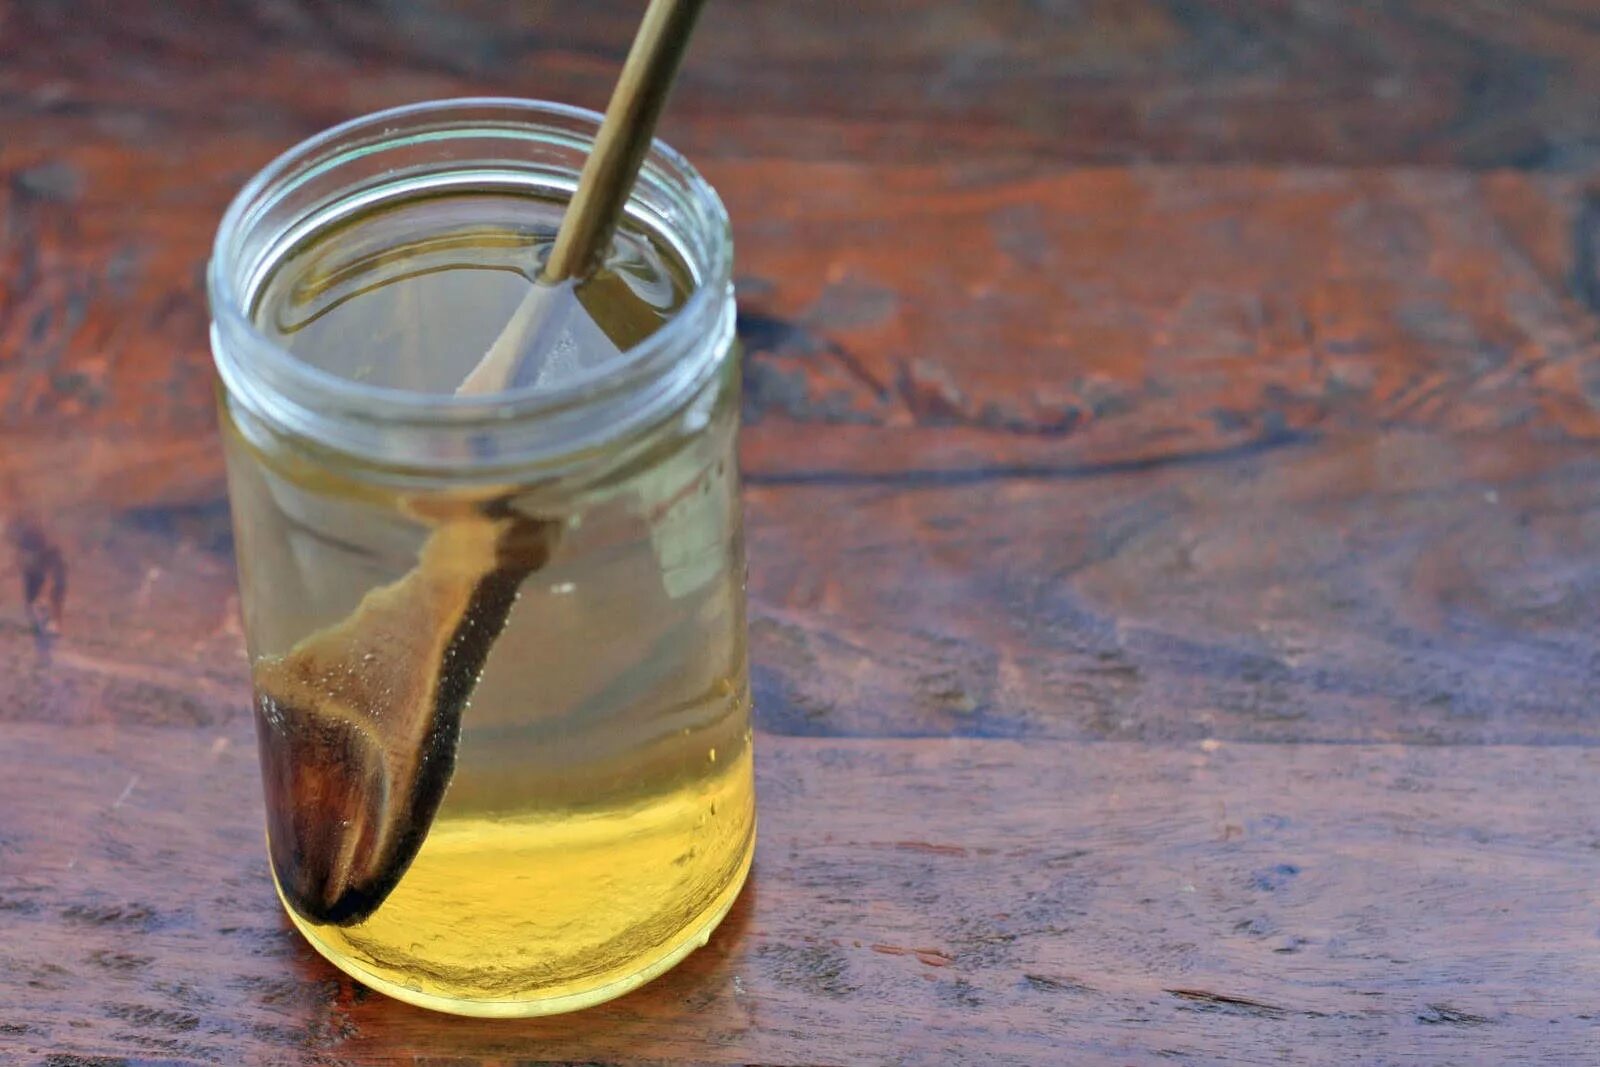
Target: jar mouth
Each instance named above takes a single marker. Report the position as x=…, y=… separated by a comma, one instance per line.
x=417, y=147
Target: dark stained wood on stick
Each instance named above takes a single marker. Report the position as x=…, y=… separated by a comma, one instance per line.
x=359, y=722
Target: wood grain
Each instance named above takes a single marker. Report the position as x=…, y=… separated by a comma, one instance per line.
x=1174, y=519
x=985, y=900
x=1079, y=81
x=1271, y=455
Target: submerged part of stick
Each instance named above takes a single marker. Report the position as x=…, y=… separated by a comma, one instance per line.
x=359, y=723
x=552, y=322
x=603, y=190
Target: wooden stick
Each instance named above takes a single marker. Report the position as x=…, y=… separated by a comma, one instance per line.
x=603, y=188
x=355, y=773
x=624, y=138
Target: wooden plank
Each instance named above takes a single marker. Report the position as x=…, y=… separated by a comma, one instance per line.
x=1409, y=586
x=1404, y=586
x=1130, y=312
x=1244, y=453
x=1085, y=316
x=913, y=901
x=1108, y=81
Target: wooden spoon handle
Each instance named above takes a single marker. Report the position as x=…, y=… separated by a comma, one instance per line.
x=624, y=138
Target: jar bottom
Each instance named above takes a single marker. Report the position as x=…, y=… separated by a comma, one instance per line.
x=693, y=935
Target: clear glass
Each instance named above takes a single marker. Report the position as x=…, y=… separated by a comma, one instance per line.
x=576, y=811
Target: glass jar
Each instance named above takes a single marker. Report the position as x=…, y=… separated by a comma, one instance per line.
x=498, y=641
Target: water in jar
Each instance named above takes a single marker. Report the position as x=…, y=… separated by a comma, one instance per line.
x=597, y=819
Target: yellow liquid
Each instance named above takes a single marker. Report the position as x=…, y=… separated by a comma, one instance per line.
x=581, y=909
x=599, y=818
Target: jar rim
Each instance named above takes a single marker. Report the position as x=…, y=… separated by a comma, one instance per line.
x=231, y=283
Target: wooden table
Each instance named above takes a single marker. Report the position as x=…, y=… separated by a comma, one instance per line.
x=1173, y=465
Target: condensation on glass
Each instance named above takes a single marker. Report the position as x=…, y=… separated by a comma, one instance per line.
x=498, y=642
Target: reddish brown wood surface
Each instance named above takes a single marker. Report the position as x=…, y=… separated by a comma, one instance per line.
x=1173, y=465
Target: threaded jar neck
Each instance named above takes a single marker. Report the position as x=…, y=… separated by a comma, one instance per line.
x=515, y=145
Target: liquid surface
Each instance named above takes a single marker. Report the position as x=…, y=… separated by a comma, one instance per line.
x=600, y=816
x=411, y=295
